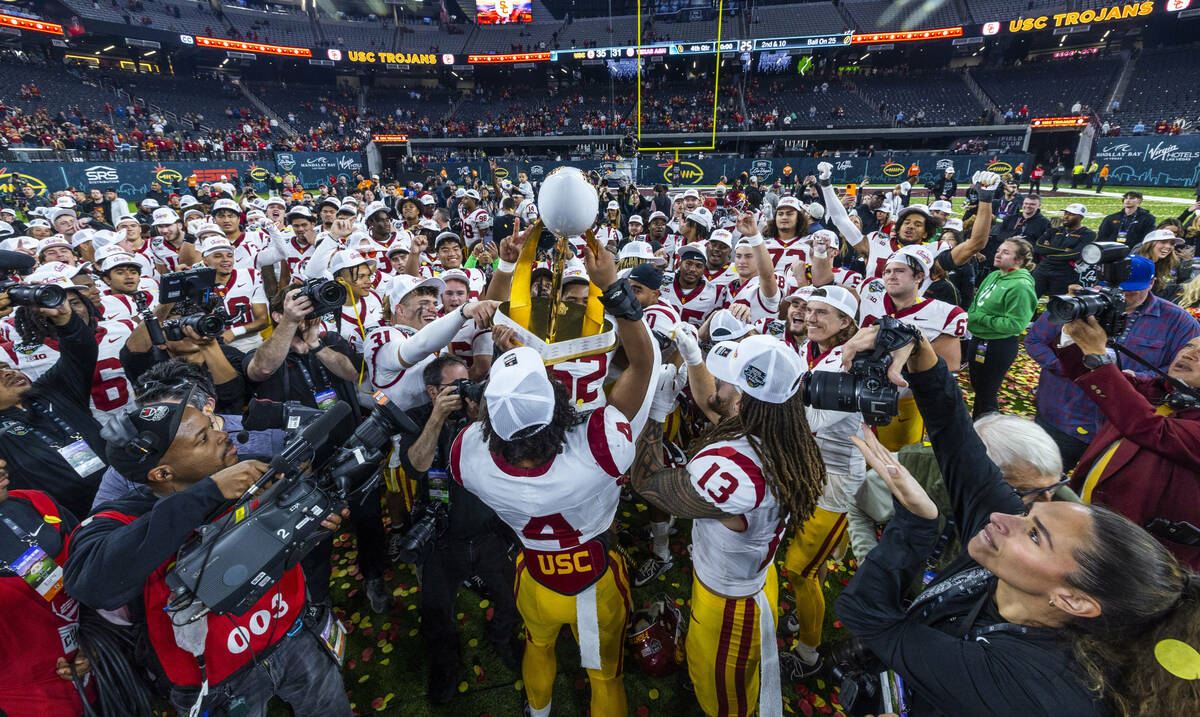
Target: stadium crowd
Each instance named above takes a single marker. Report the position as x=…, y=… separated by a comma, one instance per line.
x=778, y=370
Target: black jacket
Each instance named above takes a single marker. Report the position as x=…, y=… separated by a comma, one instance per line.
x=955, y=652
x=1032, y=229
x=110, y=560
x=1059, y=249
x=64, y=391
x=1135, y=226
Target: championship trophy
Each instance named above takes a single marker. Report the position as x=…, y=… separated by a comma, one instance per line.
x=559, y=331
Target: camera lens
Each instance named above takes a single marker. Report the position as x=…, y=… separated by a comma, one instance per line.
x=830, y=390
x=331, y=292
x=1065, y=309
x=209, y=325
x=46, y=296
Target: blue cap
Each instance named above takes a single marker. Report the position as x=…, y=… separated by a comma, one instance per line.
x=648, y=276
x=1141, y=274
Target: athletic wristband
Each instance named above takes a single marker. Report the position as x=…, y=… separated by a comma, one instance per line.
x=754, y=241
x=238, y=331
x=506, y=267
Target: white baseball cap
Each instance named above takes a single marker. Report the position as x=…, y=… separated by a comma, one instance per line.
x=727, y=327
x=942, y=205
x=21, y=243
x=723, y=236
x=54, y=272
x=460, y=193
x=402, y=242
x=691, y=193
x=39, y=222
x=188, y=200
x=520, y=397
x=53, y=240
x=119, y=258
x=426, y=199
x=348, y=258
x=953, y=223
x=82, y=235
x=790, y=202
x=402, y=285
x=164, y=215
x=1076, y=208
x=636, y=219
x=839, y=297
x=225, y=204
x=149, y=204
x=612, y=204
x=273, y=200
x=455, y=275
x=472, y=194
x=762, y=367
x=213, y=243
x=637, y=250
x=61, y=212
x=701, y=216
x=204, y=227
x=362, y=242
x=802, y=293
x=815, y=210
x=1163, y=235
x=299, y=211
x=920, y=253
x=721, y=361
x=65, y=201
x=657, y=215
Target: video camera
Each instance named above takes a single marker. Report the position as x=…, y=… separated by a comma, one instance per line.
x=14, y=264
x=865, y=685
x=1106, y=303
x=193, y=292
x=865, y=388
x=238, y=557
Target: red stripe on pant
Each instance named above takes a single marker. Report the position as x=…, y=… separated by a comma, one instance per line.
x=727, y=623
x=830, y=540
x=622, y=580
x=743, y=656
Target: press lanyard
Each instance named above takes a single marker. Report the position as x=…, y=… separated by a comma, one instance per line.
x=33, y=565
x=22, y=535
x=71, y=434
x=325, y=397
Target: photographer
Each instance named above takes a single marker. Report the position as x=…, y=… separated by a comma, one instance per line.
x=470, y=540
x=299, y=363
x=232, y=664
x=1054, y=609
x=1156, y=330
x=49, y=437
x=1143, y=462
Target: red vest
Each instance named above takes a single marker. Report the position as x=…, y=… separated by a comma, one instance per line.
x=32, y=643
x=233, y=640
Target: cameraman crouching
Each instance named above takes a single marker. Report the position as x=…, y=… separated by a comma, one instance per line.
x=469, y=539
x=119, y=557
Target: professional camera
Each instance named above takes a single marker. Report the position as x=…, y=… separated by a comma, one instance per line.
x=866, y=686
x=1106, y=303
x=46, y=296
x=326, y=295
x=429, y=520
x=193, y=292
x=290, y=416
x=866, y=387
x=238, y=557
x=470, y=390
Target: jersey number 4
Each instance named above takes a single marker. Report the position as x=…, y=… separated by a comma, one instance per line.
x=552, y=527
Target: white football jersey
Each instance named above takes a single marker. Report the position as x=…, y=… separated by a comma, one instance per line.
x=721, y=277
x=367, y=311
x=469, y=342
x=243, y=289
x=934, y=317
x=294, y=252
x=33, y=361
x=694, y=305
x=785, y=253
x=584, y=379
x=477, y=226
x=564, y=503
x=122, y=306
x=882, y=247
x=165, y=254
x=749, y=294
x=111, y=390
x=404, y=387
x=605, y=234
x=728, y=474
x=844, y=463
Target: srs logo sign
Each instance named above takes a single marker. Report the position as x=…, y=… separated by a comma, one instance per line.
x=100, y=175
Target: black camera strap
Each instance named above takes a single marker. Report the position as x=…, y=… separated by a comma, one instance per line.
x=69, y=433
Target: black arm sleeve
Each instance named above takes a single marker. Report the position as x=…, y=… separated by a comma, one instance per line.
x=974, y=483
x=231, y=395
x=110, y=561
x=72, y=373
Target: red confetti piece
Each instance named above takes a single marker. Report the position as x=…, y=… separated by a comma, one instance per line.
x=366, y=653
x=377, y=704
x=806, y=707
x=643, y=711
x=838, y=624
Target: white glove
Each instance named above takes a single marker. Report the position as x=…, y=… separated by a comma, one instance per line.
x=905, y=187
x=686, y=341
x=670, y=382
x=986, y=183
x=824, y=173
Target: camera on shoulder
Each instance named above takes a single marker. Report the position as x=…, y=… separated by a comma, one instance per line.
x=1105, y=303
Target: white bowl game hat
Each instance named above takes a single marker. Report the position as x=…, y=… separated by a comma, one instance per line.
x=520, y=397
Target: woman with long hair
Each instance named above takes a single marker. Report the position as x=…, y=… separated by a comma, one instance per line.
x=1055, y=609
x=998, y=316
x=1159, y=247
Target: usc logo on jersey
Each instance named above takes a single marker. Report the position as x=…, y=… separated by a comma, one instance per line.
x=568, y=571
x=563, y=563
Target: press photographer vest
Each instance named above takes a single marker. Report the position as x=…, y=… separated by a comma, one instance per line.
x=233, y=640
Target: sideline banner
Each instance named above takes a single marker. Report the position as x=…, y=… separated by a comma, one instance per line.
x=313, y=168
x=131, y=179
x=1152, y=161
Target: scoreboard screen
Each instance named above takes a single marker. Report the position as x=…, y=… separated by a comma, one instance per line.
x=499, y=12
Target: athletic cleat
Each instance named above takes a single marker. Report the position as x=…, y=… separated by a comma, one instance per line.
x=793, y=669
x=651, y=568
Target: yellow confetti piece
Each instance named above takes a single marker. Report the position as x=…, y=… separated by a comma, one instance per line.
x=653, y=694
x=389, y=698
x=355, y=618
x=679, y=602
x=459, y=616
x=483, y=604
x=624, y=514
x=345, y=586
x=462, y=686
x=387, y=648
x=363, y=679
x=386, y=661
x=1081, y=431
x=412, y=607
x=473, y=642
x=477, y=670
x=641, y=508
x=820, y=684
x=397, y=592
x=412, y=632
x=386, y=626
x=519, y=685
x=1178, y=658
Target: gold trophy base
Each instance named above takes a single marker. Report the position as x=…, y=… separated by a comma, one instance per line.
x=568, y=323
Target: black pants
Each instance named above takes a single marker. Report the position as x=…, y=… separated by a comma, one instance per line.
x=1070, y=447
x=367, y=519
x=450, y=562
x=1051, y=283
x=1055, y=181
x=1035, y=185
x=1100, y=184
x=988, y=375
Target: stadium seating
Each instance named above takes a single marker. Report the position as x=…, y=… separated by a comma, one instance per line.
x=278, y=26
x=61, y=88
x=817, y=19
x=204, y=97
x=943, y=96
x=1050, y=87
x=1152, y=96
x=880, y=15
x=195, y=16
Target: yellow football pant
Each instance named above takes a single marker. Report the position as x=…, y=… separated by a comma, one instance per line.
x=546, y=611
x=905, y=429
x=811, y=545
x=723, y=648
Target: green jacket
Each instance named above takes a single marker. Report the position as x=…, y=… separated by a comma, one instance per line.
x=1003, y=306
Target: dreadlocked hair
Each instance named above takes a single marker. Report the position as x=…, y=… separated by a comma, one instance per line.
x=543, y=444
x=780, y=436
